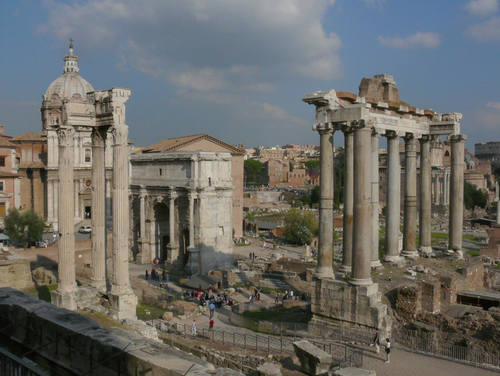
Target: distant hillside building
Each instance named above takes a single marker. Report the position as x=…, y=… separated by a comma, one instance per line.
x=9, y=178
x=489, y=151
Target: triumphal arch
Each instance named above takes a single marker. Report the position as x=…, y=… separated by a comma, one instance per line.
x=363, y=118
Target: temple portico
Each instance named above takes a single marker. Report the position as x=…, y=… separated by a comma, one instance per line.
x=363, y=118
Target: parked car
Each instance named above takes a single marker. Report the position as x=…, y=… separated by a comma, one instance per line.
x=85, y=230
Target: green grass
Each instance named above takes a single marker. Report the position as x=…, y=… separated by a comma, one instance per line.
x=154, y=312
x=42, y=292
x=473, y=253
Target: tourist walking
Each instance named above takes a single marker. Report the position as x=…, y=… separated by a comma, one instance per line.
x=193, y=327
x=388, y=350
x=211, y=324
x=212, y=309
x=163, y=275
x=147, y=275
x=376, y=342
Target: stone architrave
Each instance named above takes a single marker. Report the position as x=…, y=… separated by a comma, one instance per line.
x=425, y=196
x=375, y=262
x=326, y=227
x=64, y=296
x=456, y=192
x=98, y=207
x=346, y=266
x=393, y=200
x=361, y=245
x=410, y=203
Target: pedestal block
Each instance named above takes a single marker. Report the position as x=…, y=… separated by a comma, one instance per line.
x=337, y=303
x=63, y=300
x=193, y=266
x=124, y=305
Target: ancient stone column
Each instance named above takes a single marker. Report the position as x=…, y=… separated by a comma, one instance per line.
x=425, y=195
x=410, y=204
x=193, y=266
x=122, y=297
x=142, y=208
x=64, y=296
x=98, y=208
x=77, y=201
x=456, y=192
x=50, y=201
x=498, y=205
x=375, y=262
x=393, y=201
x=348, y=200
x=173, y=247
x=326, y=228
x=362, y=236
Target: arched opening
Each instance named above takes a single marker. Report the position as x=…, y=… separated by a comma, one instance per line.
x=184, y=246
x=161, y=230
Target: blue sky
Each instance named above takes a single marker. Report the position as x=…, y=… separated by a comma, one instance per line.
x=238, y=69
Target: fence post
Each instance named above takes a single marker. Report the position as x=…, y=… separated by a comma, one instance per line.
x=213, y=333
x=184, y=330
x=256, y=343
x=268, y=344
x=223, y=336
x=281, y=344
x=245, y=342
x=233, y=339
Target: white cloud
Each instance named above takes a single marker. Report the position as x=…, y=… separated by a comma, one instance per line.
x=495, y=105
x=417, y=40
x=485, y=31
x=206, y=46
x=278, y=113
x=482, y=8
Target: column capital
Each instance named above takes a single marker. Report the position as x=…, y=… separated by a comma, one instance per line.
x=324, y=128
x=425, y=138
x=120, y=134
x=173, y=195
x=377, y=132
x=457, y=137
x=393, y=134
x=66, y=136
x=409, y=137
x=359, y=124
x=346, y=128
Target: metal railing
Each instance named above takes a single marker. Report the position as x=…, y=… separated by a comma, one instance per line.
x=11, y=365
x=342, y=353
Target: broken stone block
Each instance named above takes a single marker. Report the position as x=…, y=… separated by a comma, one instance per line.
x=419, y=268
x=313, y=360
x=269, y=369
x=168, y=316
x=351, y=371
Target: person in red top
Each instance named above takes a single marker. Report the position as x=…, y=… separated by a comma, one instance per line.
x=211, y=324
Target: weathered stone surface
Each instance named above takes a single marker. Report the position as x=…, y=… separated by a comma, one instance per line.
x=168, y=316
x=42, y=276
x=14, y=270
x=313, y=360
x=351, y=371
x=269, y=369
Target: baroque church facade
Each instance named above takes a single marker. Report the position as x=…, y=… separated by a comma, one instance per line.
x=70, y=87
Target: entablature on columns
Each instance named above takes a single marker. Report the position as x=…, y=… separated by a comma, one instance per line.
x=381, y=108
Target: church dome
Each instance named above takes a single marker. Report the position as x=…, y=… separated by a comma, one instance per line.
x=70, y=85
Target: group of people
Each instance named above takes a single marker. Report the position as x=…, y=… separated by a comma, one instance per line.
x=253, y=255
x=255, y=295
x=155, y=275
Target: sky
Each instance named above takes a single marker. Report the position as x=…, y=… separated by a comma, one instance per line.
x=238, y=69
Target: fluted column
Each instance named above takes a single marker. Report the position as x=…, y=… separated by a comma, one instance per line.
x=410, y=204
x=191, y=220
x=142, y=208
x=56, y=205
x=326, y=228
x=121, y=283
x=64, y=295
x=348, y=200
x=456, y=191
x=98, y=209
x=362, y=236
x=173, y=247
x=375, y=262
x=50, y=201
x=393, y=201
x=425, y=195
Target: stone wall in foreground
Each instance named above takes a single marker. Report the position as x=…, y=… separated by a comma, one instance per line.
x=68, y=343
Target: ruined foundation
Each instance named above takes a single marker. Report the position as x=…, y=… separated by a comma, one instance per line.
x=338, y=303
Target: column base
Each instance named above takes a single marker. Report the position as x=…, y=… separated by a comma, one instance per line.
x=63, y=299
x=361, y=281
x=324, y=272
x=394, y=258
x=376, y=264
x=456, y=253
x=345, y=269
x=123, y=306
x=99, y=284
x=410, y=254
x=425, y=250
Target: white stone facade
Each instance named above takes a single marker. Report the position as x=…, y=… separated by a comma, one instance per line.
x=181, y=206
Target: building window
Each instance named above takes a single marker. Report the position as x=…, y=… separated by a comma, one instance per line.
x=1, y=186
x=2, y=209
x=88, y=155
x=2, y=161
x=161, y=172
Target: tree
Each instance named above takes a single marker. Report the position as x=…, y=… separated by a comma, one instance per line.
x=23, y=229
x=300, y=226
x=253, y=168
x=314, y=195
x=474, y=197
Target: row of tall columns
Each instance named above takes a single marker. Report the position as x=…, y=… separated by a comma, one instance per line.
x=356, y=194
x=441, y=188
